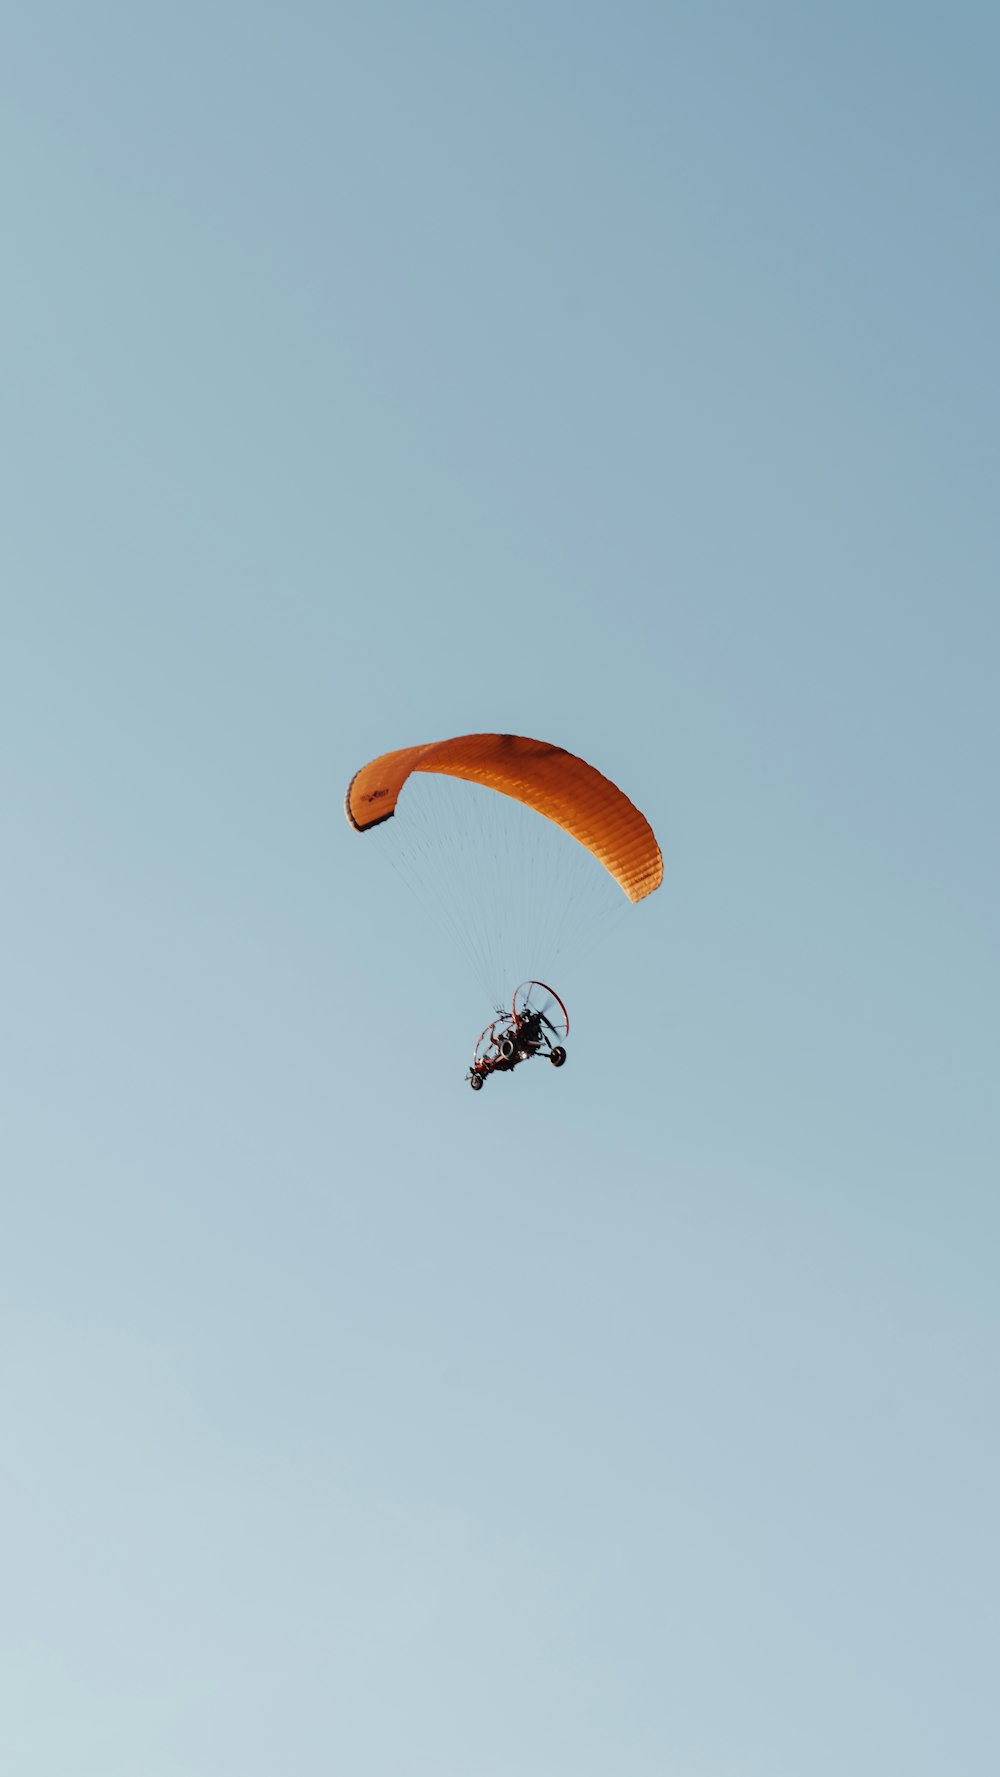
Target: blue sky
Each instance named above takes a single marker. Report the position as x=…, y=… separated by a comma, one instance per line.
x=625, y=377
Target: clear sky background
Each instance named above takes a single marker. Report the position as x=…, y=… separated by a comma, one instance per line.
x=625, y=376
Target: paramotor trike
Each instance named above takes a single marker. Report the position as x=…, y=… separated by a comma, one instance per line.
x=535, y=1025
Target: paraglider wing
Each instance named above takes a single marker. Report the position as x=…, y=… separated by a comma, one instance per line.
x=556, y=784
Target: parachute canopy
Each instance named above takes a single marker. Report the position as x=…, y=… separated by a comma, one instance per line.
x=556, y=784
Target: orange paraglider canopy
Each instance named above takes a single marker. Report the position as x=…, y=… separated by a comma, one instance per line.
x=555, y=783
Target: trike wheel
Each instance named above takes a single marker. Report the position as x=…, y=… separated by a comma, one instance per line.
x=476, y=1082
x=557, y=1057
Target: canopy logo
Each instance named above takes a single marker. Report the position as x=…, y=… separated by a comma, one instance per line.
x=375, y=795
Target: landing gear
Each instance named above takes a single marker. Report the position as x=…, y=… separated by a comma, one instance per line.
x=557, y=1057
